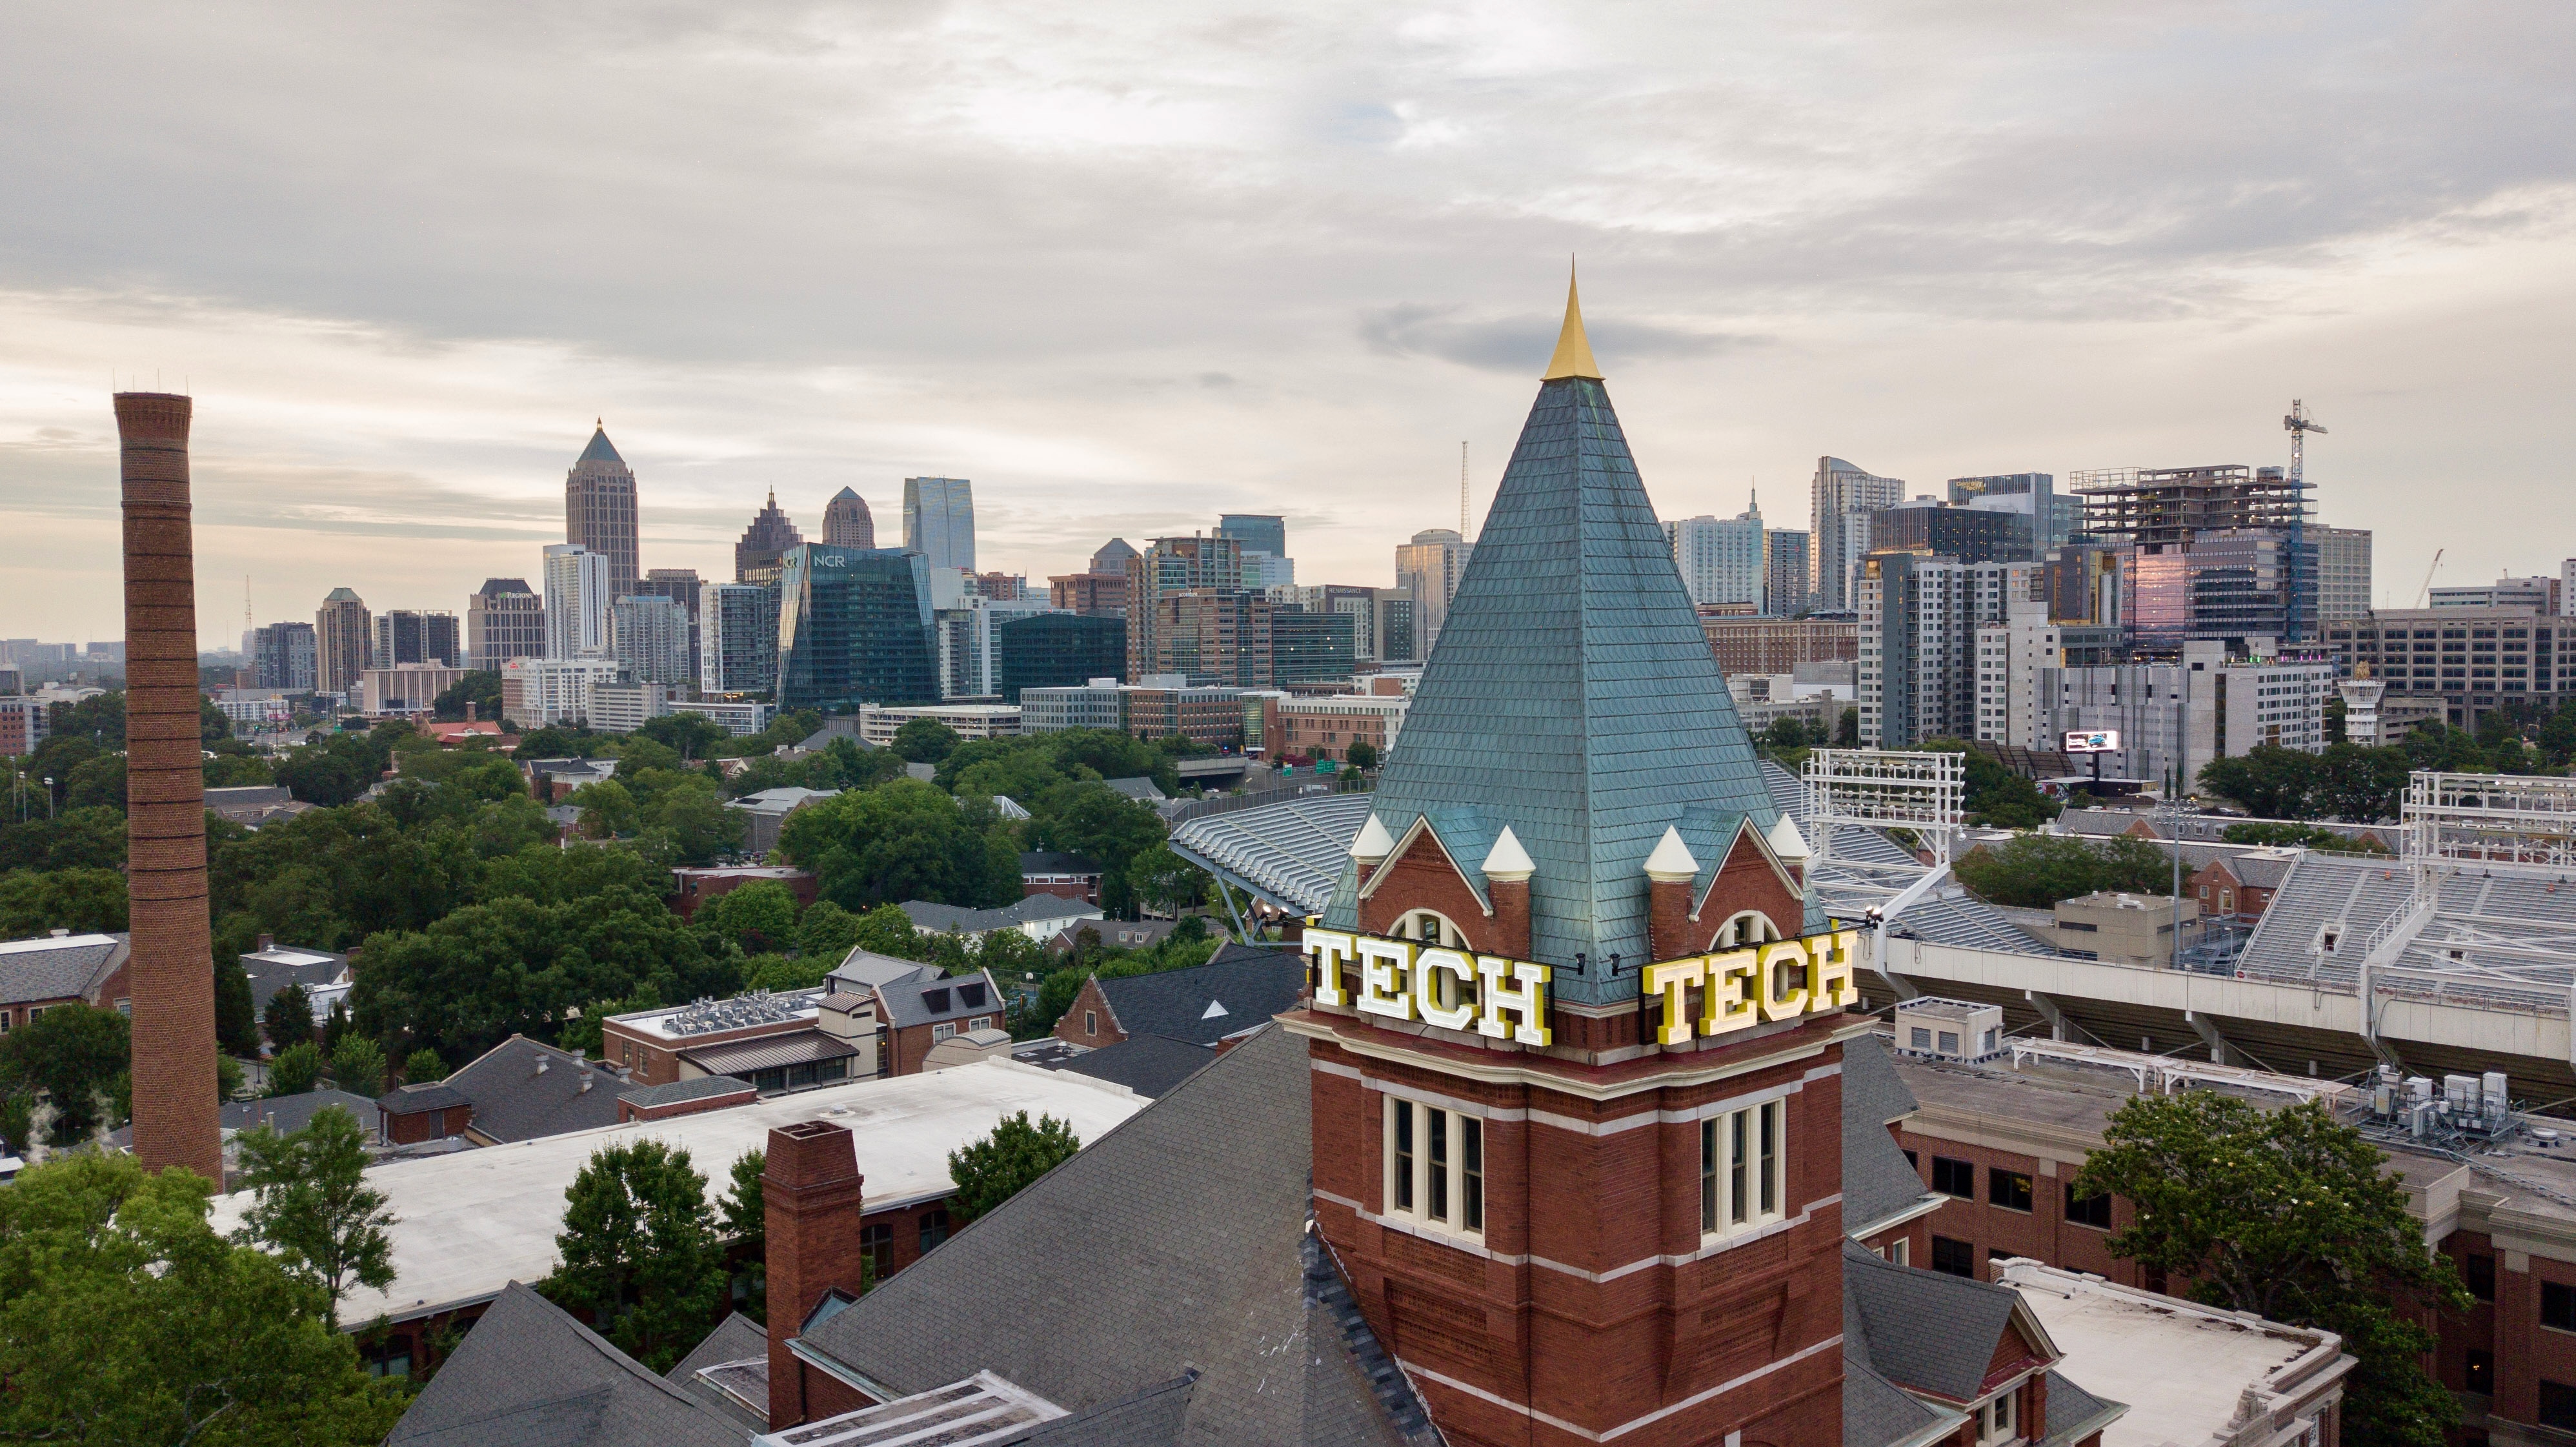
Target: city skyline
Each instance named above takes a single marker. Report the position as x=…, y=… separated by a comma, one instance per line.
x=1933, y=282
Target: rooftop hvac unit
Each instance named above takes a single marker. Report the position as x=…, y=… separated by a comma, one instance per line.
x=2460, y=1094
x=1931, y=1028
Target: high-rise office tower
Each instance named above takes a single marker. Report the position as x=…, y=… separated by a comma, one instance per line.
x=1429, y=568
x=342, y=640
x=1213, y=636
x=577, y=600
x=403, y=635
x=1173, y=565
x=504, y=619
x=765, y=545
x=854, y=626
x=2033, y=494
x=847, y=522
x=1968, y=534
x=681, y=586
x=648, y=634
x=1113, y=557
x=1844, y=497
x=599, y=512
x=282, y=657
x=738, y=638
x=2343, y=571
x=1784, y=571
x=1720, y=558
x=939, y=520
x=1258, y=532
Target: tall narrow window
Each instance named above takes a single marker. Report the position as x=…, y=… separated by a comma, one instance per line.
x=1739, y=1195
x=1436, y=1127
x=1708, y=1174
x=1403, y=1155
x=1771, y=1157
x=1471, y=1173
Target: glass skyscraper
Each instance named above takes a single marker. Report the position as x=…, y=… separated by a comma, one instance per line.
x=939, y=520
x=854, y=626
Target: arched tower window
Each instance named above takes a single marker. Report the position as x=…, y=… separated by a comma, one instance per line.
x=1432, y=927
x=1745, y=928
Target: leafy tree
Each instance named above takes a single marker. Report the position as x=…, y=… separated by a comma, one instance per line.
x=358, y=1066
x=2359, y=785
x=2270, y=781
x=2286, y=1214
x=228, y=1079
x=230, y=771
x=482, y=688
x=335, y=1027
x=1362, y=755
x=84, y=901
x=994, y=1169
x=98, y=784
x=887, y=930
x=925, y=741
x=125, y=1318
x=297, y=1069
x=1166, y=881
x=73, y=1054
x=1101, y=824
x=424, y=1065
x=589, y=1032
x=691, y=816
x=311, y=1204
x=289, y=1017
x=1847, y=730
x=757, y=916
x=639, y=1251
x=607, y=809
x=67, y=839
x=2035, y=871
x=17, y=1121
x=690, y=735
x=902, y=840
x=236, y=1023
x=556, y=741
x=745, y=1220
x=1995, y=794
x=826, y=932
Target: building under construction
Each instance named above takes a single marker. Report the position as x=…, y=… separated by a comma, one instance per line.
x=2153, y=513
x=2171, y=504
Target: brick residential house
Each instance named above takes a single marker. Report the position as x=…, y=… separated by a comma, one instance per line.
x=1066, y=876
x=2238, y=886
x=1233, y=994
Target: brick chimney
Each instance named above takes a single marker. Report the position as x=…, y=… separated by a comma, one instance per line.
x=172, y=964
x=810, y=1199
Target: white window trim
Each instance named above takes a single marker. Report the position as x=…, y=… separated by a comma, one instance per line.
x=945, y=1029
x=1417, y=1217
x=1998, y=1417
x=1724, y=1129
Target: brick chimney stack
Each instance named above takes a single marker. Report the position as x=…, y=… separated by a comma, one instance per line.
x=810, y=1199
x=173, y=972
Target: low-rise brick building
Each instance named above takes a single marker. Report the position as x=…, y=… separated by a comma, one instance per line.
x=1236, y=992
x=62, y=969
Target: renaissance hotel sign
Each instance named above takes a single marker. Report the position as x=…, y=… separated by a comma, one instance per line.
x=1506, y=999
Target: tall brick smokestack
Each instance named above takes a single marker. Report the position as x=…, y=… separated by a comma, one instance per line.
x=172, y=971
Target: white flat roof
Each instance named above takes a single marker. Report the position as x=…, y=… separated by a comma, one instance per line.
x=2179, y=1366
x=51, y=942
x=474, y=1221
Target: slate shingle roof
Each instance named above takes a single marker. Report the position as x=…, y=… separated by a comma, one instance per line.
x=926, y=999
x=1149, y=1065
x=2074, y=1413
x=514, y=1101
x=1239, y=988
x=1192, y=1218
x=1924, y=1330
x=1572, y=695
x=1878, y=1182
x=34, y=971
x=696, y=1088
x=528, y=1375
x=737, y=1339
x=1877, y=1413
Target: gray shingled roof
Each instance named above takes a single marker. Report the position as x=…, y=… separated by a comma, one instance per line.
x=1877, y=1413
x=1192, y=1220
x=737, y=1342
x=1150, y=1418
x=925, y=999
x=514, y=1101
x=32, y=972
x=1878, y=1182
x=528, y=1375
x=701, y=1087
x=1149, y=1065
x=422, y=1096
x=1573, y=697
x=2075, y=1414
x=1894, y=1311
x=1239, y=988
x=284, y=1114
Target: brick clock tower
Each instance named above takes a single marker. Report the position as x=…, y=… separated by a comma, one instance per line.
x=1575, y=1025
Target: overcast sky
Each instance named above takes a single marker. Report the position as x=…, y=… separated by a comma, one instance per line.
x=1130, y=266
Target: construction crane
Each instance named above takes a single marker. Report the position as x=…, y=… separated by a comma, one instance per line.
x=2298, y=426
x=2427, y=590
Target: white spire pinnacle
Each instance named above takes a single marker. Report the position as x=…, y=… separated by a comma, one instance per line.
x=1374, y=842
x=1788, y=843
x=1507, y=860
x=1672, y=859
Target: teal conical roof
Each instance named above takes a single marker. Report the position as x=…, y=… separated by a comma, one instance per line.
x=600, y=449
x=1572, y=697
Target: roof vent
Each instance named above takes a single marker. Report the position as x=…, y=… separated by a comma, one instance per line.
x=1215, y=1009
x=541, y=1065
x=62, y=934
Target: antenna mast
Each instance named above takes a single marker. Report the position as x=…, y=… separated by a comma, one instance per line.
x=247, y=625
x=1462, y=492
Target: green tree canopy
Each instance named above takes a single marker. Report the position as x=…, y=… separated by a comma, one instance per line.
x=358, y=1066
x=639, y=1251
x=925, y=741
x=689, y=735
x=297, y=1069
x=236, y=1022
x=423, y=1065
x=902, y=840
x=1101, y=824
x=994, y=1169
x=84, y=901
x=289, y=1017
x=125, y=1318
x=2035, y=871
x=1166, y=881
x=311, y=1204
x=758, y=916
x=74, y=1054
x=2286, y=1214
x=68, y=839
x=482, y=688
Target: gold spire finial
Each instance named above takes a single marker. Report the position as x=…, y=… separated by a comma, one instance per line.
x=1573, y=350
